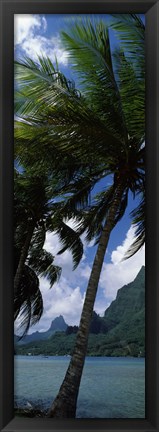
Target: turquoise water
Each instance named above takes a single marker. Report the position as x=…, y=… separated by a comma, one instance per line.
x=110, y=388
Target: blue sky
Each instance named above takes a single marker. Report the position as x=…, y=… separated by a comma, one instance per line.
x=40, y=35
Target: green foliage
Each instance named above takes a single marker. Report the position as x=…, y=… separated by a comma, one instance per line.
x=71, y=329
x=97, y=324
x=98, y=131
x=28, y=302
x=75, y=138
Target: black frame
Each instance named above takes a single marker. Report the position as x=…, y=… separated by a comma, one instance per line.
x=151, y=9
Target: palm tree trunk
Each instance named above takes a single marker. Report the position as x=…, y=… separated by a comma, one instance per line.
x=23, y=257
x=64, y=405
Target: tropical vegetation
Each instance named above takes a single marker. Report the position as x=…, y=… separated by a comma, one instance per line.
x=92, y=134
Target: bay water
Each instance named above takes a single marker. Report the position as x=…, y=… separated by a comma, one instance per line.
x=111, y=387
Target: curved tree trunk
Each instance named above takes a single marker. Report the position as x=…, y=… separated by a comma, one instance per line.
x=64, y=405
x=23, y=257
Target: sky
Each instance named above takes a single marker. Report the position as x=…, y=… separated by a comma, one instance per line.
x=40, y=35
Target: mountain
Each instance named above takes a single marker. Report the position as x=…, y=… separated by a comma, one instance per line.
x=128, y=305
x=58, y=324
x=125, y=317
x=121, y=332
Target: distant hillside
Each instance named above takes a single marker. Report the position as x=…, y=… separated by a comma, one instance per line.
x=125, y=317
x=129, y=306
x=58, y=324
x=120, y=332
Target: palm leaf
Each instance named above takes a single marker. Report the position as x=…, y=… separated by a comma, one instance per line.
x=94, y=218
x=90, y=52
x=28, y=303
x=132, y=93
x=130, y=30
x=70, y=240
x=52, y=273
x=138, y=221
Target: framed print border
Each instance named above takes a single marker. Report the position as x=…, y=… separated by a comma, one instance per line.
x=151, y=10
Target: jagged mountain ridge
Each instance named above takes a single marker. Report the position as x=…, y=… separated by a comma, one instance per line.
x=58, y=324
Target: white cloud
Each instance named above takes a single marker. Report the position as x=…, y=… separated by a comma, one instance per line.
x=61, y=299
x=25, y=26
x=29, y=37
x=40, y=45
x=85, y=271
x=118, y=273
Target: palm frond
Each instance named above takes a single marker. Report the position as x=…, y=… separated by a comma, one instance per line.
x=38, y=238
x=94, y=218
x=40, y=260
x=70, y=240
x=130, y=30
x=41, y=82
x=52, y=273
x=132, y=93
x=90, y=52
x=138, y=221
x=28, y=303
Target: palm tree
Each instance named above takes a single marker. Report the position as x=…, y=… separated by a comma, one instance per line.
x=35, y=212
x=114, y=87
x=103, y=128
x=34, y=130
